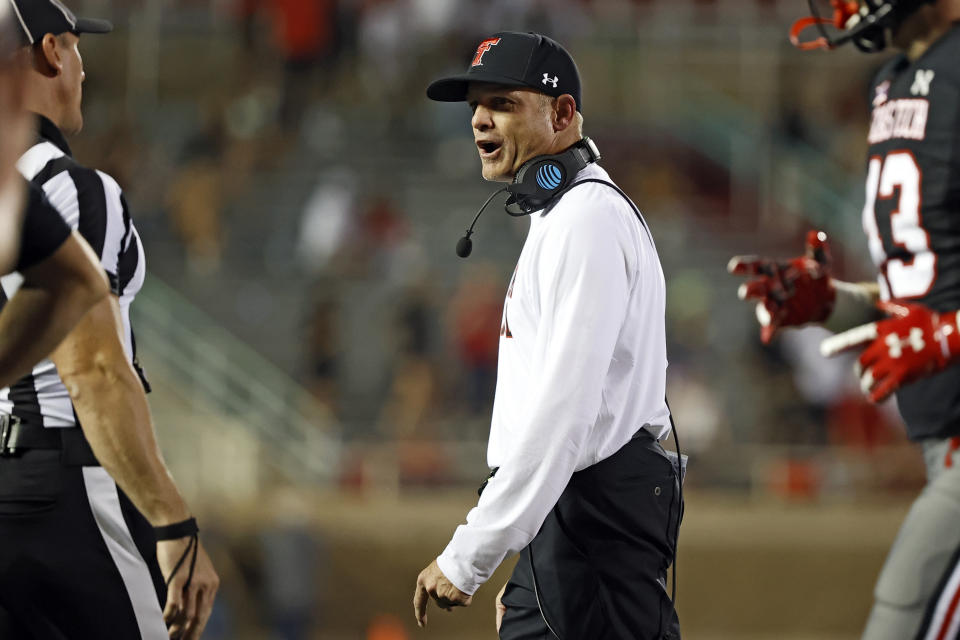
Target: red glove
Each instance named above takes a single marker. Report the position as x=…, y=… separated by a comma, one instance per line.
x=913, y=343
x=790, y=293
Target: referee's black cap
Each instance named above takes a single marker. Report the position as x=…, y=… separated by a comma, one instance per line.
x=515, y=59
x=37, y=18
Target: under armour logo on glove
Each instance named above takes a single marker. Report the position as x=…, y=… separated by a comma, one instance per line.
x=548, y=80
x=895, y=345
x=913, y=343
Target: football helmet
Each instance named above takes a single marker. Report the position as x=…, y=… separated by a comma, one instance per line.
x=865, y=24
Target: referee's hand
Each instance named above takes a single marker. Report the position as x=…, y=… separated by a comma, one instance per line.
x=431, y=583
x=188, y=609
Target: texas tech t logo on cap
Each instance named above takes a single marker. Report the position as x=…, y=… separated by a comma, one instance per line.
x=482, y=49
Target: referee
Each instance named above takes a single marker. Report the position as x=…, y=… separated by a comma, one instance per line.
x=62, y=278
x=90, y=551
x=580, y=486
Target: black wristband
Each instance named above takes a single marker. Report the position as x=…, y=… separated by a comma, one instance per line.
x=177, y=530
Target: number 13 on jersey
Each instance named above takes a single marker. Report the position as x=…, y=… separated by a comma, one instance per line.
x=912, y=272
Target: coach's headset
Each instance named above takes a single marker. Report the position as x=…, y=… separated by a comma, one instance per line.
x=538, y=183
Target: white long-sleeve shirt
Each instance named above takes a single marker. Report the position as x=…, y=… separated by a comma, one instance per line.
x=582, y=367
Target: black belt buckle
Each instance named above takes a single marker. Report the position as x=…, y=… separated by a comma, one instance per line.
x=9, y=434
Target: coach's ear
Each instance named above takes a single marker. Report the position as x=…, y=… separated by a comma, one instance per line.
x=46, y=56
x=564, y=112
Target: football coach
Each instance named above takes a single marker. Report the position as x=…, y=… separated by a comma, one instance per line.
x=579, y=484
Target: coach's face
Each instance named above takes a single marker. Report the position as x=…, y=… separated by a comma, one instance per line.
x=510, y=126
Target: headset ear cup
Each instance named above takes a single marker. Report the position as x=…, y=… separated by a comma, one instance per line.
x=540, y=179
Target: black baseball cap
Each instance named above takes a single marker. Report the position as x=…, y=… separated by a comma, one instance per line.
x=40, y=17
x=517, y=60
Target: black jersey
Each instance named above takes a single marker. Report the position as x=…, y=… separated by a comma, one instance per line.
x=44, y=231
x=912, y=211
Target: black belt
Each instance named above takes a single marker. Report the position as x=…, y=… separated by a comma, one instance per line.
x=17, y=437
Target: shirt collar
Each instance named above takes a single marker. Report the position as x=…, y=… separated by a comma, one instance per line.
x=49, y=132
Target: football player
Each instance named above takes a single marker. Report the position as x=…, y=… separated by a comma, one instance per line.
x=912, y=221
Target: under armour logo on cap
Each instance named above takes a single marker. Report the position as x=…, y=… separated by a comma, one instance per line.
x=548, y=80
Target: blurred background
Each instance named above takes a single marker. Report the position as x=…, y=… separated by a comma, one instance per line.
x=323, y=364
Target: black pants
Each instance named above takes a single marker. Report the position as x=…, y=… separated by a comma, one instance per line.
x=597, y=568
x=77, y=560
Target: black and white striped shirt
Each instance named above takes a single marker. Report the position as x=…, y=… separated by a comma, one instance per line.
x=91, y=202
x=43, y=232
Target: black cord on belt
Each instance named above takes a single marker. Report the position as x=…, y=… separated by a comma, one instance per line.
x=679, y=475
x=186, y=529
x=676, y=535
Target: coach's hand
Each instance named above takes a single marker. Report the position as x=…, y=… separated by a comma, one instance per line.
x=188, y=609
x=501, y=609
x=431, y=583
x=788, y=293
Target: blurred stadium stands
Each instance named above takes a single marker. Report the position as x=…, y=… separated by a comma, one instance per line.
x=324, y=363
